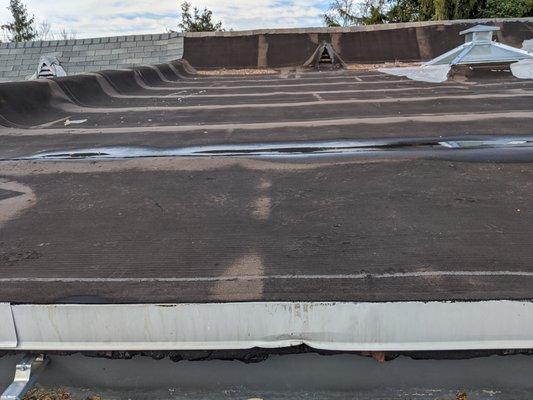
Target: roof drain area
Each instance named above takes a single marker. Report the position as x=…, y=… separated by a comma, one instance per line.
x=420, y=147
x=479, y=51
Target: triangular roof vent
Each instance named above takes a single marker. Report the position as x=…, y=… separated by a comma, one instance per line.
x=325, y=57
x=49, y=67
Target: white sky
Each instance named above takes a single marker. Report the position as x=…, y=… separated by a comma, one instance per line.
x=93, y=18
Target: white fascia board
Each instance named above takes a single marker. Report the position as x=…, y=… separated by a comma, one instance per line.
x=401, y=326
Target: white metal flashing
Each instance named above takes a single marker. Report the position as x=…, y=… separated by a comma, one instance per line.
x=401, y=326
x=8, y=334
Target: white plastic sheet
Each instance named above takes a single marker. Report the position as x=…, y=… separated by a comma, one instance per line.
x=429, y=73
x=523, y=69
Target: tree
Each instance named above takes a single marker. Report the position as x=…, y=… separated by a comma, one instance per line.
x=44, y=31
x=374, y=12
x=509, y=8
x=197, y=22
x=21, y=29
x=64, y=34
x=342, y=13
x=426, y=10
x=354, y=12
x=404, y=11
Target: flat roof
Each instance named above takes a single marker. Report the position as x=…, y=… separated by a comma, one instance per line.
x=213, y=189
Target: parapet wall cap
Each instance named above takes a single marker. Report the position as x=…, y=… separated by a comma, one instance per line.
x=480, y=28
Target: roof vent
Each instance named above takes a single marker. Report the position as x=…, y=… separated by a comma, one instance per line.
x=49, y=67
x=325, y=57
x=479, y=48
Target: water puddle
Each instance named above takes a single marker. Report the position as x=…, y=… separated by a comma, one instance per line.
x=287, y=149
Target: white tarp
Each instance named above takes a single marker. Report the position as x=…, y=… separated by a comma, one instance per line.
x=523, y=69
x=429, y=73
x=528, y=45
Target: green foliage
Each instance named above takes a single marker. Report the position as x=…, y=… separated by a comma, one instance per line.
x=444, y=9
x=426, y=10
x=342, y=13
x=404, y=11
x=509, y=8
x=197, y=22
x=22, y=28
x=345, y=13
x=375, y=15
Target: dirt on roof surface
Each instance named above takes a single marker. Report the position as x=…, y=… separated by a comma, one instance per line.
x=198, y=189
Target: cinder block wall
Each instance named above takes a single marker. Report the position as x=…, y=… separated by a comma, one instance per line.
x=20, y=60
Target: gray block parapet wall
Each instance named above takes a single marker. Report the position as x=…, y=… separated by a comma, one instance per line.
x=18, y=61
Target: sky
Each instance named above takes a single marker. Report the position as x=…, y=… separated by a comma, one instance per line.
x=94, y=18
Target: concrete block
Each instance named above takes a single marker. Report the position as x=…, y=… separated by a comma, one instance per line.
x=69, y=54
x=78, y=59
x=80, y=47
x=65, y=48
x=88, y=53
x=29, y=56
x=112, y=46
x=15, y=52
x=119, y=51
x=103, y=52
x=11, y=74
x=104, y=40
x=6, y=68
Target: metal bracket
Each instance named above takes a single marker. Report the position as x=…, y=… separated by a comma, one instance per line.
x=26, y=373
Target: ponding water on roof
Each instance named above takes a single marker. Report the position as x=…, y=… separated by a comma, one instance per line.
x=479, y=49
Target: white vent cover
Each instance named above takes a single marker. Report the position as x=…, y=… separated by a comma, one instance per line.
x=479, y=48
x=49, y=67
